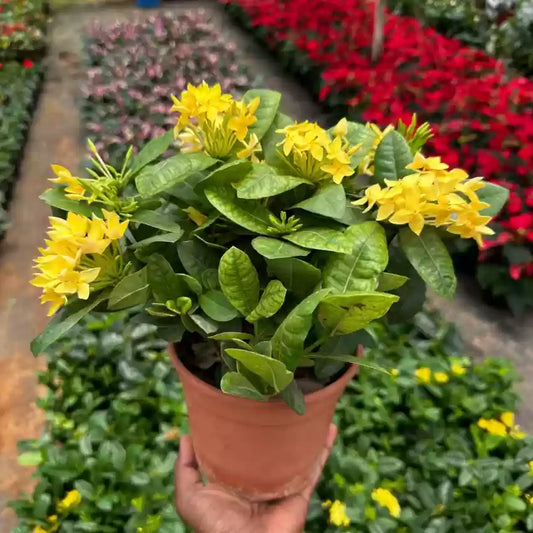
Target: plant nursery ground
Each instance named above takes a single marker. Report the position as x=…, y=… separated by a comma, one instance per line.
x=56, y=136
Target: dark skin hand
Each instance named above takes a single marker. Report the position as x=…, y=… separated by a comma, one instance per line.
x=212, y=509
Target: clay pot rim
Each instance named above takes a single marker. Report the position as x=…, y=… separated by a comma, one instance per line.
x=316, y=396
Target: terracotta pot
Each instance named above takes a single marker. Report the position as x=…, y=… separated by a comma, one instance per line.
x=261, y=450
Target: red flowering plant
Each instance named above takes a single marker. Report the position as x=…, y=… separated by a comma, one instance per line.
x=484, y=121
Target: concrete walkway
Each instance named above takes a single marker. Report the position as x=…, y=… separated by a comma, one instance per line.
x=56, y=137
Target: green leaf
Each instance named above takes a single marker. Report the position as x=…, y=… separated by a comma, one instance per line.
x=328, y=201
x=249, y=214
x=321, y=239
x=288, y=340
x=31, y=458
x=271, y=138
x=153, y=149
x=231, y=172
x=494, y=195
x=160, y=237
x=216, y=306
x=272, y=371
x=297, y=276
x=294, y=397
x=276, y=249
x=205, y=324
x=358, y=270
x=359, y=134
x=157, y=219
x=392, y=156
x=130, y=291
x=266, y=112
x=55, y=197
x=348, y=358
x=389, y=282
x=263, y=181
x=197, y=257
x=158, y=178
x=62, y=322
x=237, y=385
x=239, y=280
x=271, y=301
x=350, y=312
x=430, y=258
x=230, y=335
x=165, y=283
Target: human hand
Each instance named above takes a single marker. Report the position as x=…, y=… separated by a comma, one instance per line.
x=213, y=509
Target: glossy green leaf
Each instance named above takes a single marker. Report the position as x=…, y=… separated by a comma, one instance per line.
x=55, y=197
x=350, y=359
x=430, y=258
x=271, y=301
x=249, y=214
x=297, y=276
x=230, y=335
x=239, y=280
x=272, y=371
x=288, y=340
x=350, y=312
x=226, y=174
x=266, y=112
x=321, y=239
x=359, y=134
x=269, y=142
x=277, y=249
x=153, y=149
x=237, y=385
x=216, y=306
x=392, y=156
x=389, y=282
x=156, y=219
x=165, y=283
x=494, y=195
x=130, y=291
x=172, y=236
x=158, y=178
x=293, y=396
x=197, y=257
x=263, y=181
x=358, y=270
x=203, y=323
x=65, y=320
x=328, y=200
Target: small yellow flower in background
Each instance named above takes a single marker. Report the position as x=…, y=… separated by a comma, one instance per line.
x=73, y=189
x=441, y=377
x=394, y=372
x=39, y=529
x=529, y=499
x=337, y=513
x=70, y=501
x=385, y=498
x=494, y=427
x=514, y=430
x=458, y=369
x=423, y=374
x=530, y=464
x=215, y=123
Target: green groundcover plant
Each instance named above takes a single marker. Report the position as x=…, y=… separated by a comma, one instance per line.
x=266, y=247
x=114, y=414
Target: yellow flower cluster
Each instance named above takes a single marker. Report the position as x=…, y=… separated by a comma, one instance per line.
x=60, y=265
x=425, y=375
x=314, y=155
x=69, y=502
x=505, y=427
x=337, y=513
x=431, y=195
x=386, y=499
x=215, y=123
x=73, y=189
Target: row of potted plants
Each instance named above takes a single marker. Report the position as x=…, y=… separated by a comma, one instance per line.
x=500, y=27
x=478, y=116
x=22, y=29
x=19, y=84
x=409, y=454
x=133, y=67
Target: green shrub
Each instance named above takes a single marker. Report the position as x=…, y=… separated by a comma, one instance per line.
x=114, y=408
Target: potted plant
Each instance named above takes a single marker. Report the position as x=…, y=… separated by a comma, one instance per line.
x=261, y=251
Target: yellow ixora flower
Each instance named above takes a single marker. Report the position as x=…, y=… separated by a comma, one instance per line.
x=215, y=123
x=431, y=195
x=385, y=498
x=441, y=377
x=69, y=502
x=312, y=154
x=494, y=427
x=514, y=430
x=458, y=369
x=503, y=427
x=423, y=374
x=73, y=190
x=337, y=513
